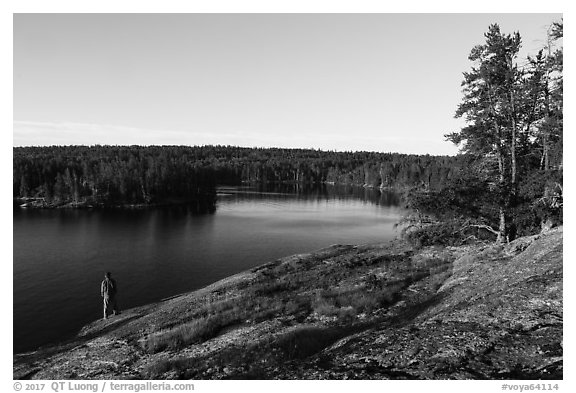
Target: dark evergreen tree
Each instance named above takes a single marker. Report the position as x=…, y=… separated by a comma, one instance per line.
x=492, y=110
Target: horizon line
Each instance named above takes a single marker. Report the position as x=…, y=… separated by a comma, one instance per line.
x=89, y=134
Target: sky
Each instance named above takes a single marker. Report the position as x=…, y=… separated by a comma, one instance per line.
x=345, y=82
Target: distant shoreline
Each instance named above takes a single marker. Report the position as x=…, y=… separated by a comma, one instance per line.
x=41, y=203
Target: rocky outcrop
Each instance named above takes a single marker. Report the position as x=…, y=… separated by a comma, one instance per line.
x=499, y=316
x=385, y=311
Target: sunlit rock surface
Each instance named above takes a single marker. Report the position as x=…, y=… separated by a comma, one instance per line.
x=382, y=311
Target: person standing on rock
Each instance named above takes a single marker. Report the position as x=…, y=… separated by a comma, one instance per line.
x=108, y=291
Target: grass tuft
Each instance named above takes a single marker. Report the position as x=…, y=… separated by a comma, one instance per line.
x=199, y=330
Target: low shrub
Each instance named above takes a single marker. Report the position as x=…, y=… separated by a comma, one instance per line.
x=222, y=305
x=444, y=234
x=347, y=304
x=347, y=314
x=360, y=301
x=270, y=288
x=324, y=306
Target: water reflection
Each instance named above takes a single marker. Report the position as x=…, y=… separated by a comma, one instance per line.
x=312, y=192
x=60, y=255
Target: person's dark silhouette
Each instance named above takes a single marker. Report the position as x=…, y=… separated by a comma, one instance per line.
x=108, y=291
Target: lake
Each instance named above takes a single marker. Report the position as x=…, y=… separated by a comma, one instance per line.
x=60, y=256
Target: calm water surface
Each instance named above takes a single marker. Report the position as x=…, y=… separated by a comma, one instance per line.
x=60, y=255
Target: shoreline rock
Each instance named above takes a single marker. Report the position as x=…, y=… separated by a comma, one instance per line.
x=380, y=311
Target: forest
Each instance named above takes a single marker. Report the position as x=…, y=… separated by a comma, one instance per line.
x=506, y=181
x=111, y=175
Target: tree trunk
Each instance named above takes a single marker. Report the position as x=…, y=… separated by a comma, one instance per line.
x=545, y=147
x=545, y=161
x=513, y=145
x=502, y=225
x=501, y=238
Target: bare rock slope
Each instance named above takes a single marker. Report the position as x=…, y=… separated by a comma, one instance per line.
x=371, y=312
